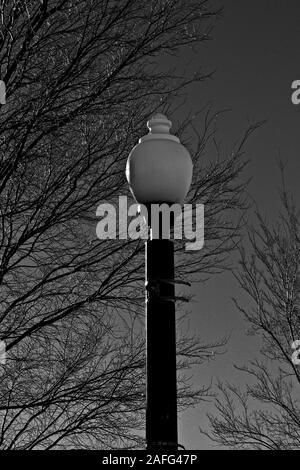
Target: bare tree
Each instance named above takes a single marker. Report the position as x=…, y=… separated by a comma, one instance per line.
x=82, y=77
x=266, y=415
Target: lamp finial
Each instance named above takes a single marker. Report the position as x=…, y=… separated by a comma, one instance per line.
x=159, y=124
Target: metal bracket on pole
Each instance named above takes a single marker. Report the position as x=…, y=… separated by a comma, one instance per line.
x=153, y=286
x=175, y=281
x=161, y=445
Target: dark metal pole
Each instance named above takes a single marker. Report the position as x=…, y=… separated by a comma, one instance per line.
x=161, y=393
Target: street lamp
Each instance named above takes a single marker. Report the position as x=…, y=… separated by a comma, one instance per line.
x=159, y=170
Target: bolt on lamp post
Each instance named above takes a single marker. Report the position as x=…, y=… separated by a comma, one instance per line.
x=159, y=170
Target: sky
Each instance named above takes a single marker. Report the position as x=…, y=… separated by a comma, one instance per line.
x=255, y=57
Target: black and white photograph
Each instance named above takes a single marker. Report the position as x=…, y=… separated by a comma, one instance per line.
x=149, y=231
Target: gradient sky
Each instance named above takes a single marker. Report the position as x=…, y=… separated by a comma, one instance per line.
x=255, y=57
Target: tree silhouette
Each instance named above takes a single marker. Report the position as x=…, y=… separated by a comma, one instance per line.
x=266, y=415
x=82, y=78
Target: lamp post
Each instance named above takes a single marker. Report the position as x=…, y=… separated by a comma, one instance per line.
x=159, y=170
